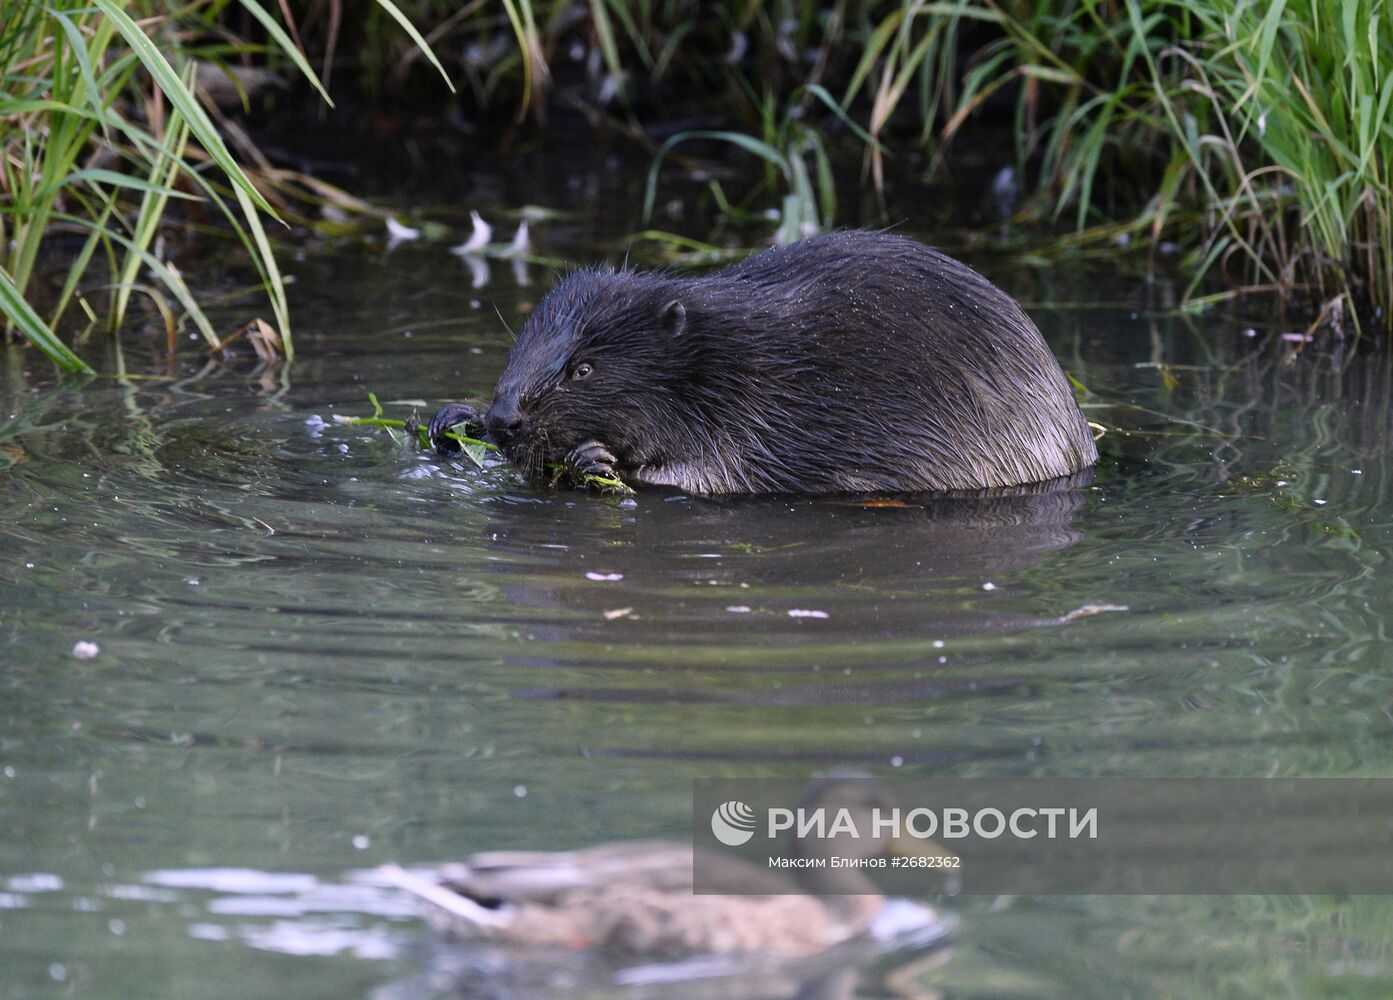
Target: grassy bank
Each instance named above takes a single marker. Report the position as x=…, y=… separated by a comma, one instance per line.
x=1256, y=137
x=102, y=131
x=1257, y=134
x=106, y=127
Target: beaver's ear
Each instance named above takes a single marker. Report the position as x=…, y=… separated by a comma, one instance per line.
x=672, y=319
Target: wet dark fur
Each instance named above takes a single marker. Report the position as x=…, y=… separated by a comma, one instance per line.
x=850, y=362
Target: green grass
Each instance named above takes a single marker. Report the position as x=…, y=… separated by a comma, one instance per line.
x=101, y=130
x=72, y=72
x=1255, y=135
x=1300, y=103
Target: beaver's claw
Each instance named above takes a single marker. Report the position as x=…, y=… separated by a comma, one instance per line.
x=591, y=459
x=449, y=415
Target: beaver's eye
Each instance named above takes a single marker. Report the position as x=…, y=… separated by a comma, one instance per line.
x=581, y=371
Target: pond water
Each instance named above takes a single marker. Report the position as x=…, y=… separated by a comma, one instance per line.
x=321, y=650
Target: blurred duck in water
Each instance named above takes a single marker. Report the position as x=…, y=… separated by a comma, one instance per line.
x=636, y=898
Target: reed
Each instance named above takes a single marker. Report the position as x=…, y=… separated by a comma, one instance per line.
x=1255, y=135
x=102, y=131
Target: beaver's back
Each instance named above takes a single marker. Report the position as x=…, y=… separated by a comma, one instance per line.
x=863, y=361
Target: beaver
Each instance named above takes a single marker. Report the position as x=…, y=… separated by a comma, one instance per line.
x=849, y=362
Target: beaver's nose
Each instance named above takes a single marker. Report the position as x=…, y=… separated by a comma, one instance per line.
x=503, y=420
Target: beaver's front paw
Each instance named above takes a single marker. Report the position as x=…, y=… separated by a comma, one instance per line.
x=449, y=415
x=591, y=459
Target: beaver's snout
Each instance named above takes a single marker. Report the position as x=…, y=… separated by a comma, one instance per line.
x=504, y=421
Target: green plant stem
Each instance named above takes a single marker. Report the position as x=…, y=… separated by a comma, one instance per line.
x=605, y=484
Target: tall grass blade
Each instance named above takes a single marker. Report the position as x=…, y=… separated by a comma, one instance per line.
x=182, y=99
x=395, y=13
x=275, y=284
x=35, y=330
x=287, y=46
x=152, y=205
x=748, y=143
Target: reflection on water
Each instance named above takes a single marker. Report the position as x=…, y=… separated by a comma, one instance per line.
x=859, y=968
x=320, y=650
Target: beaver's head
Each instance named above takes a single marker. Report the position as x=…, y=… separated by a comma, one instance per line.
x=605, y=357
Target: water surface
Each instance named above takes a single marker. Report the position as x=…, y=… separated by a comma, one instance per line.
x=321, y=650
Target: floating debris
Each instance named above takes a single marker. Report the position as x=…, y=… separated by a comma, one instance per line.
x=1090, y=609
x=478, y=238
x=398, y=233
x=522, y=241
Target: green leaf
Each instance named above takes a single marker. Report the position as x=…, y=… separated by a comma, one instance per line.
x=78, y=45
x=15, y=108
x=183, y=99
x=168, y=275
x=820, y=92
x=35, y=330
x=1067, y=76
x=421, y=43
x=746, y=142
x=275, y=285
x=103, y=176
x=287, y=45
